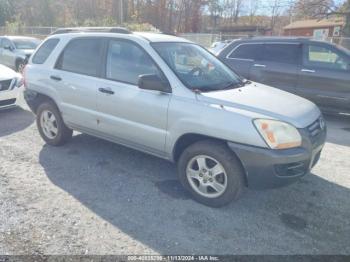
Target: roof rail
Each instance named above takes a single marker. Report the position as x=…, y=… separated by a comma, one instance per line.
x=118, y=30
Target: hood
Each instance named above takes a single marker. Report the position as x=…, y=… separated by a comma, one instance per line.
x=261, y=101
x=6, y=73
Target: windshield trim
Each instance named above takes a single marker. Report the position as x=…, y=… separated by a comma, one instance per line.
x=239, y=78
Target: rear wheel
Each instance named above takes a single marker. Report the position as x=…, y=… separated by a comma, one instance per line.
x=211, y=173
x=51, y=126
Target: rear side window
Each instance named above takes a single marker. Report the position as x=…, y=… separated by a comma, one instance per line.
x=82, y=56
x=282, y=53
x=324, y=57
x=44, y=51
x=247, y=51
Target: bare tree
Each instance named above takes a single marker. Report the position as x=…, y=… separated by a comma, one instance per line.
x=232, y=10
x=324, y=9
x=253, y=6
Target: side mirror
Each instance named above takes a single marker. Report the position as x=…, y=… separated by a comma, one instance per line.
x=154, y=82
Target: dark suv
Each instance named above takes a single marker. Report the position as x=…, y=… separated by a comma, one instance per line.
x=316, y=70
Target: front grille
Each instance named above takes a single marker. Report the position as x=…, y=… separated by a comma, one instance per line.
x=316, y=128
x=5, y=85
x=7, y=102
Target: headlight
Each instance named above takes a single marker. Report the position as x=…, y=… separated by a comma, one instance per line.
x=277, y=134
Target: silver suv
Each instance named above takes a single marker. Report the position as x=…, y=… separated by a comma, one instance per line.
x=171, y=98
x=16, y=50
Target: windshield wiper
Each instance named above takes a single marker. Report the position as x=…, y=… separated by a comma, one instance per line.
x=231, y=86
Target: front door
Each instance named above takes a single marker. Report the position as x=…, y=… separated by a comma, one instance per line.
x=325, y=76
x=132, y=116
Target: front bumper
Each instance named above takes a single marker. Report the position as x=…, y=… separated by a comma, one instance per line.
x=8, y=99
x=268, y=168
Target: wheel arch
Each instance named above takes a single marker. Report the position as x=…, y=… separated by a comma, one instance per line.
x=36, y=99
x=189, y=139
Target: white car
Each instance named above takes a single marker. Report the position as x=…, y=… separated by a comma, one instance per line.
x=11, y=84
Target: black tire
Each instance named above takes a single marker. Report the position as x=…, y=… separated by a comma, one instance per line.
x=64, y=133
x=232, y=166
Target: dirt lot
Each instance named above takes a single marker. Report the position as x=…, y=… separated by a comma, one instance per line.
x=95, y=197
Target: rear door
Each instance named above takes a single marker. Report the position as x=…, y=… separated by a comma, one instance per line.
x=242, y=56
x=75, y=79
x=278, y=66
x=325, y=76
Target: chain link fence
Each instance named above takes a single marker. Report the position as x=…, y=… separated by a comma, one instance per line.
x=40, y=32
x=203, y=39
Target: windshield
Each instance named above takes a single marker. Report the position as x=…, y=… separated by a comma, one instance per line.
x=196, y=67
x=26, y=43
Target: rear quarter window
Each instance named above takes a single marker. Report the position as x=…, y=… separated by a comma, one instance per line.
x=44, y=51
x=82, y=56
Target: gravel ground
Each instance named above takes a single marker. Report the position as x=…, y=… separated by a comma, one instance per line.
x=95, y=197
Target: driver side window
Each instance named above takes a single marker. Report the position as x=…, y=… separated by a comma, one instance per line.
x=323, y=57
x=127, y=61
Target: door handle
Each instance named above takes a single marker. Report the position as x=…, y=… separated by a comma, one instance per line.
x=106, y=91
x=56, y=78
x=259, y=65
x=308, y=71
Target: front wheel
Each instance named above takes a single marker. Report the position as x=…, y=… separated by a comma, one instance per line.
x=51, y=126
x=211, y=173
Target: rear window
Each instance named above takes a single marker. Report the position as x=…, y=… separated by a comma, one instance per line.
x=44, y=51
x=82, y=56
x=282, y=53
x=247, y=51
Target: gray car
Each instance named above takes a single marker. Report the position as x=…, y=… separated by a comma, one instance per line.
x=16, y=50
x=171, y=98
x=316, y=70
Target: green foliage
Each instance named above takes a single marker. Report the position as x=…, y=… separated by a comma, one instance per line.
x=13, y=28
